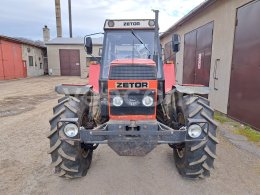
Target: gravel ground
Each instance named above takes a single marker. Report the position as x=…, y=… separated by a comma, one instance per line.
x=25, y=108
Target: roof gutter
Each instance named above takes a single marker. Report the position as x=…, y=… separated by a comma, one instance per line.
x=3, y=37
x=189, y=16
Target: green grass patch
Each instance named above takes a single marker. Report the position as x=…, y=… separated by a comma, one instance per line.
x=236, y=125
x=248, y=132
x=221, y=118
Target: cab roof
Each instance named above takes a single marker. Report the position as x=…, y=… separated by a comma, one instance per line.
x=130, y=24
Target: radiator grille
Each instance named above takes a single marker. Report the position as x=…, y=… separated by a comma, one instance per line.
x=130, y=109
x=132, y=72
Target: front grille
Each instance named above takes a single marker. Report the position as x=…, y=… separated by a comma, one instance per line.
x=132, y=104
x=132, y=72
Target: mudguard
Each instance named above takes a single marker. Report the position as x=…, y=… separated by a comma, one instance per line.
x=68, y=89
x=192, y=89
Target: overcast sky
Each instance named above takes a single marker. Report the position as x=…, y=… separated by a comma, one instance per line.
x=26, y=18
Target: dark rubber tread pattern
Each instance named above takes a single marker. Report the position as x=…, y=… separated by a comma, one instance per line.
x=198, y=157
x=67, y=156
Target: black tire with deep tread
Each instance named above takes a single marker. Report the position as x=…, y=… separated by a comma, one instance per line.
x=63, y=98
x=68, y=157
x=197, y=158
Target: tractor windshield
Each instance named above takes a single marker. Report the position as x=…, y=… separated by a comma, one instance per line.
x=126, y=44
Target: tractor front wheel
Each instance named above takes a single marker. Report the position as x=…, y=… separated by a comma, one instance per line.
x=69, y=158
x=195, y=159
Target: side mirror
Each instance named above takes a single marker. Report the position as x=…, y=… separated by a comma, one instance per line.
x=176, y=43
x=88, y=45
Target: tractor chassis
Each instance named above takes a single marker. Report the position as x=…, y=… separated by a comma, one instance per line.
x=128, y=138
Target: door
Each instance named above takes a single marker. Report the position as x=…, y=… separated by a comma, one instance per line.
x=11, y=66
x=190, y=42
x=244, y=93
x=197, y=55
x=69, y=62
x=24, y=69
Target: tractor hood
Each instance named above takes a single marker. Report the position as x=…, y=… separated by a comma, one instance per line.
x=132, y=69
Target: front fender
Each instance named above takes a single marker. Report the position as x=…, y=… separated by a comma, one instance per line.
x=192, y=89
x=68, y=89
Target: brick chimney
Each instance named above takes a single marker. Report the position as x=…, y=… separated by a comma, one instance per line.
x=46, y=34
x=58, y=18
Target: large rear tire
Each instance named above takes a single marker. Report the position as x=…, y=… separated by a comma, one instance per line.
x=69, y=158
x=195, y=159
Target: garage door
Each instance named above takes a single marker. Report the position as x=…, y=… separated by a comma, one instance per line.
x=69, y=62
x=197, y=55
x=11, y=63
x=244, y=93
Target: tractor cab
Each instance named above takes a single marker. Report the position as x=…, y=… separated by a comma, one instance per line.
x=131, y=40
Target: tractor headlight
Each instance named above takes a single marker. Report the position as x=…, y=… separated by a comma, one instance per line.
x=194, y=131
x=117, y=101
x=71, y=130
x=147, y=101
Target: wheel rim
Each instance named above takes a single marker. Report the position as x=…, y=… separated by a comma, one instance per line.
x=180, y=152
x=84, y=153
x=181, y=118
x=88, y=124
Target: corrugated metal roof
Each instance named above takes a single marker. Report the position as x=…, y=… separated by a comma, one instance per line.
x=73, y=41
x=187, y=17
x=24, y=41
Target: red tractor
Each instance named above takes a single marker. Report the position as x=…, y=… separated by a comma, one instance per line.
x=132, y=103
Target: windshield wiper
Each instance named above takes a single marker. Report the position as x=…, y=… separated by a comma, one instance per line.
x=141, y=41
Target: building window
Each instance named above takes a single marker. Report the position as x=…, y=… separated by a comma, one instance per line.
x=100, y=52
x=40, y=65
x=30, y=60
